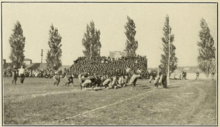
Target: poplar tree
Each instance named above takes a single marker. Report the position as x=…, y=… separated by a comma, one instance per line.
x=164, y=57
x=17, y=43
x=91, y=41
x=206, y=58
x=131, y=44
x=54, y=54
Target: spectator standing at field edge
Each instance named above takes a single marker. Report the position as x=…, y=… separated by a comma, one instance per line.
x=14, y=75
x=197, y=75
x=21, y=73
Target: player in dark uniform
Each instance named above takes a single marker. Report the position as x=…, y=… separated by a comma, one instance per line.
x=153, y=75
x=69, y=80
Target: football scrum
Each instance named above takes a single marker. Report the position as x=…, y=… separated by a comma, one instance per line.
x=113, y=81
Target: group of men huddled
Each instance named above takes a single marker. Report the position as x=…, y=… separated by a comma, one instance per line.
x=109, y=81
x=111, y=73
x=114, y=81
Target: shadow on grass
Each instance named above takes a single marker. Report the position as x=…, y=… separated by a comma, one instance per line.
x=171, y=87
x=144, y=87
x=98, y=89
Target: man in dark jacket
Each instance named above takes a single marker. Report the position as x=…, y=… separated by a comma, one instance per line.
x=14, y=76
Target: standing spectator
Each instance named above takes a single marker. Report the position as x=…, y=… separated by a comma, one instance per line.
x=14, y=76
x=21, y=72
x=184, y=75
x=213, y=74
x=197, y=75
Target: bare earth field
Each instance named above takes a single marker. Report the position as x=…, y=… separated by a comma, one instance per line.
x=39, y=102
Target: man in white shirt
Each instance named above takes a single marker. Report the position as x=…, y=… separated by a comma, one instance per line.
x=21, y=73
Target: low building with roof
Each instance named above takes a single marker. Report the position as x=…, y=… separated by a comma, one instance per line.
x=27, y=61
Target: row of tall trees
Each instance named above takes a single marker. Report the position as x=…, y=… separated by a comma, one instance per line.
x=92, y=44
x=17, y=44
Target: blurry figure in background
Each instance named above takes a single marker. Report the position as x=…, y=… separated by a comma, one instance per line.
x=96, y=81
x=133, y=77
x=106, y=82
x=184, y=75
x=21, y=72
x=153, y=75
x=213, y=75
x=113, y=84
x=87, y=82
x=56, y=78
x=161, y=78
x=14, y=75
x=197, y=75
x=81, y=78
x=122, y=81
x=69, y=79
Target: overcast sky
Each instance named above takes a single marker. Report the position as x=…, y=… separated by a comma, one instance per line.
x=110, y=18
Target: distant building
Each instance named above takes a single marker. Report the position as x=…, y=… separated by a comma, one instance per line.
x=36, y=66
x=27, y=61
x=118, y=54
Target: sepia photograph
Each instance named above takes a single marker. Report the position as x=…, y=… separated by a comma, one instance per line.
x=109, y=63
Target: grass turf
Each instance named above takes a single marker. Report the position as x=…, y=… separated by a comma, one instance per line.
x=39, y=102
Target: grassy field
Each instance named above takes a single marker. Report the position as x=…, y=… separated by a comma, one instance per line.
x=39, y=102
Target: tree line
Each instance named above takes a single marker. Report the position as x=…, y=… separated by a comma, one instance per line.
x=91, y=42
